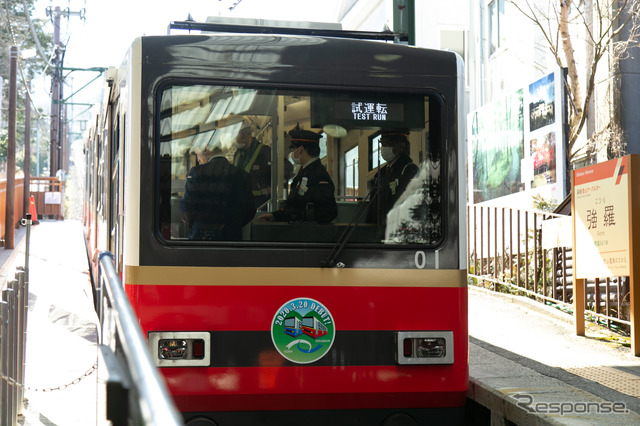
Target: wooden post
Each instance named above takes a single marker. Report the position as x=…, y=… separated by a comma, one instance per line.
x=578, y=284
x=9, y=222
x=578, y=303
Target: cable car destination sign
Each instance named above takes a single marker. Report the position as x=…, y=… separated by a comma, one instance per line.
x=391, y=111
x=601, y=219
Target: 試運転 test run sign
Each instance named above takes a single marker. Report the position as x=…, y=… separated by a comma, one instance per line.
x=601, y=219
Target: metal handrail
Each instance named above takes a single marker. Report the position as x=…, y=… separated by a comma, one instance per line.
x=156, y=405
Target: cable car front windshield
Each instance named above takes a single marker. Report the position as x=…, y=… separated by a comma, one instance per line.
x=273, y=165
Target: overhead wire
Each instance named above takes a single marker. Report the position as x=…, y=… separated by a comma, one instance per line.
x=8, y=23
x=48, y=61
x=25, y=81
x=35, y=36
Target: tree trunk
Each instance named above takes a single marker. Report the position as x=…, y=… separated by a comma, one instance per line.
x=574, y=80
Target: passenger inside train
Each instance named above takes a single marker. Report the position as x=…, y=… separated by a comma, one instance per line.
x=217, y=199
x=254, y=158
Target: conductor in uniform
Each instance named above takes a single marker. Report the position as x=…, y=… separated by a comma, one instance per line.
x=392, y=178
x=217, y=200
x=311, y=194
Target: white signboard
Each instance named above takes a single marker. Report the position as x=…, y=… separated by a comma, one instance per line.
x=557, y=232
x=601, y=197
x=52, y=197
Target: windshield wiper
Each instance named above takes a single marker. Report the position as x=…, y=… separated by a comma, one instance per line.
x=346, y=234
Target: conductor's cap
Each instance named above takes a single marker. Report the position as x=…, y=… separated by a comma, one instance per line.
x=394, y=132
x=298, y=135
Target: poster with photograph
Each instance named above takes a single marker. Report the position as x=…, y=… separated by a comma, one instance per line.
x=542, y=103
x=543, y=131
x=497, y=141
x=543, y=151
x=517, y=145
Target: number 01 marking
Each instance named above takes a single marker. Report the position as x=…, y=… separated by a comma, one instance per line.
x=420, y=259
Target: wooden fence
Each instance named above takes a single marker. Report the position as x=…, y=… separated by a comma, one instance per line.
x=18, y=211
x=48, y=194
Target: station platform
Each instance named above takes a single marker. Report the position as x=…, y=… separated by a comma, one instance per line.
x=61, y=381
x=526, y=365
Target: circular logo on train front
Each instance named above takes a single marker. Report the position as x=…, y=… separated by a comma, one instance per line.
x=303, y=330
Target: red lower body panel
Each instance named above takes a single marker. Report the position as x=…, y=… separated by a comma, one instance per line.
x=325, y=388
x=273, y=383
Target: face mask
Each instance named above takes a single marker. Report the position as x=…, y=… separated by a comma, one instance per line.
x=237, y=145
x=296, y=160
x=387, y=153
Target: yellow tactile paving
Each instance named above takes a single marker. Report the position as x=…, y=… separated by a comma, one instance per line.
x=621, y=381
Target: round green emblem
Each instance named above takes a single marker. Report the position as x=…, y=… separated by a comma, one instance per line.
x=303, y=330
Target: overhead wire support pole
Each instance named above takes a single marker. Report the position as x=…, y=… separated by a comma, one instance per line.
x=56, y=92
x=99, y=70
x=57, y=144
x=89, y=106
x=96, y=69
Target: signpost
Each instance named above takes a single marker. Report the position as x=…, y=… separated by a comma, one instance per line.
x=604, y=197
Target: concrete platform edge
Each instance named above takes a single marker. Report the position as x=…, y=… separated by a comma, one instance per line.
x=496, y=393
x=502, y=406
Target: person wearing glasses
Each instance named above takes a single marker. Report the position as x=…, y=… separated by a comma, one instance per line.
x=311, y=193
x=254, y=158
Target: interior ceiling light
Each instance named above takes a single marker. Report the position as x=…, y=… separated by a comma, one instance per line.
x=334, y=130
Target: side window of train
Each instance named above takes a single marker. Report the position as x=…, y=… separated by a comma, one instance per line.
x=254, y=164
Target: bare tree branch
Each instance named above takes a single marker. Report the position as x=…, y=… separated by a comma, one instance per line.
x=602, y=30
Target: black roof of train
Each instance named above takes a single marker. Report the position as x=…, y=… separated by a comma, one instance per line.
x=294, y=59
x=230, y=25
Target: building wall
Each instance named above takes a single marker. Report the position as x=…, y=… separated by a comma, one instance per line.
x=524, y=55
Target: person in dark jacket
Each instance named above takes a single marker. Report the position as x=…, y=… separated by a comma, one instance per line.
x=217, y=200
x=392, y=178
x=254, y=158
x=311, y=194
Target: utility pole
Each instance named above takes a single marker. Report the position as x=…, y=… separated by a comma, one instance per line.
x=56, y=92
x=57, y=138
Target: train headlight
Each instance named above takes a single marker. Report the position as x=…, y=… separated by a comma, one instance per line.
x=424, y=347
x=172, y=349
x=180, y=349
